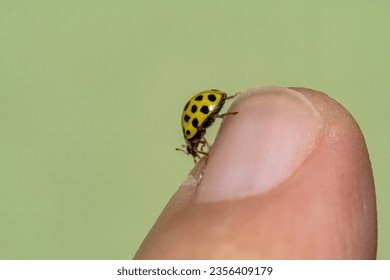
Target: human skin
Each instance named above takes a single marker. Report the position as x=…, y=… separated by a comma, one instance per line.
x=288, y=177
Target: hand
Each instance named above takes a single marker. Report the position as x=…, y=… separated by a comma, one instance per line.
x=289, y=177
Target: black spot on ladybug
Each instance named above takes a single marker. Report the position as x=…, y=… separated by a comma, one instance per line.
x=195, y=122
x=188, y=132
x=187, y=118
x=185, y=107
x=199, y=98
x=214, y=89
x=194, y=108
x=205, y=110
x=211, y=97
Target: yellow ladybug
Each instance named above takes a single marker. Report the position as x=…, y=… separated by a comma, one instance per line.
x=199, y=113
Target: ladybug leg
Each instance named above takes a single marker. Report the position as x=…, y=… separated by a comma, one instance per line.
x=232, y=96
x=197, y=156
x=206, y=143
x=182, y=150
x=226, y=114
x=203, y=143
x=206, y=155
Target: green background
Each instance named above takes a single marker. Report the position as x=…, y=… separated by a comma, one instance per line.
x=91, y=94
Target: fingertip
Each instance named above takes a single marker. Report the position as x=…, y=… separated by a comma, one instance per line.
x=323, y=209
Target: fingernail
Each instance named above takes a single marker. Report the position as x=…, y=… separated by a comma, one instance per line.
x=273, y=133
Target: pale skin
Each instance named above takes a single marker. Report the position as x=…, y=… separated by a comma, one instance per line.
x=323, y=207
